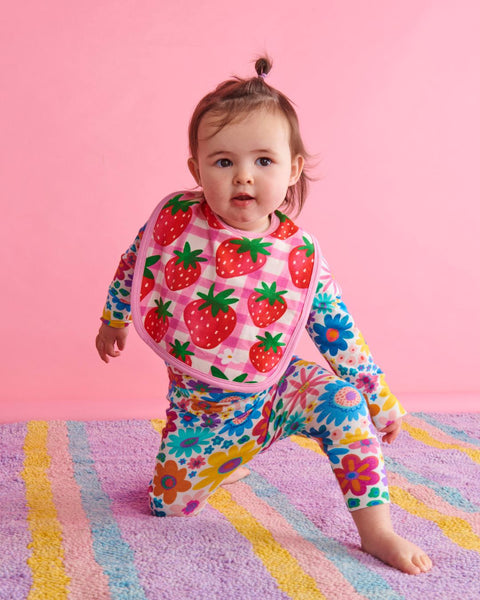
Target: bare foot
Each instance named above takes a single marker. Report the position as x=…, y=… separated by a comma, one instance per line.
x=380, y=540
x=397, y=552
x=238, y=474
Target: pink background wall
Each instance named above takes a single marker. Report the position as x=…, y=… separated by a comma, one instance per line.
x=95, y=99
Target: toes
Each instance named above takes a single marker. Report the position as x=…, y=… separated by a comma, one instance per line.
x=411, y=567
x=423, y=562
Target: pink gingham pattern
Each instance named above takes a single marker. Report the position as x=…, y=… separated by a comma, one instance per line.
x=231, y=357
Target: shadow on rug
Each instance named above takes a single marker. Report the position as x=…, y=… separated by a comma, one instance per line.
x=75, y=523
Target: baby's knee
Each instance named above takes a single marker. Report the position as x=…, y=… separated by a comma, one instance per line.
x=183, y=505
x=348, y=395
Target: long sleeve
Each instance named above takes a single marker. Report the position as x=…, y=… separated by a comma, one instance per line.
x=339, y=340
x=117, y=312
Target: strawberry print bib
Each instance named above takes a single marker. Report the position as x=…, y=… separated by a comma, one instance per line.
x=224, y=306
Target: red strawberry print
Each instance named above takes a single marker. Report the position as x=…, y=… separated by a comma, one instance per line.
x=300, y=264
x=181, y=351
x=148, y=280
x=156, y=320
x=266, y=305
x=184, y=270
x=286, y=228
x=239, y=256
x=172, y=220
x=266, y=353
x=210, y=320
x=211, y=218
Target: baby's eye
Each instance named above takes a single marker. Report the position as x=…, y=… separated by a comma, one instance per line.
x=224, y=162
x=264, y=161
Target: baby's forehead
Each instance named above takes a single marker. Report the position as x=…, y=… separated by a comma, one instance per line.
x=260, y=121
x=222, y=116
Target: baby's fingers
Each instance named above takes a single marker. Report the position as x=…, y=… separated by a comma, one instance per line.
x=391, y=432
x=106, y=349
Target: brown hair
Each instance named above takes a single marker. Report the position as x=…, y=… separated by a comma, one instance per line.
x=233, y=98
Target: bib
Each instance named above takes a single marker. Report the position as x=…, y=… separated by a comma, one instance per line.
x=223, y=305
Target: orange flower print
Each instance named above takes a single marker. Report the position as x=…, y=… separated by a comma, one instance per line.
x=169, y=480
x=357, y=474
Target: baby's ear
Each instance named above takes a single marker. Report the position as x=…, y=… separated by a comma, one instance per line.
x=194, y=170
x=297, y=168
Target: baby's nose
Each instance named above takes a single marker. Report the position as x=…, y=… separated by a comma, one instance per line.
x=243, y=176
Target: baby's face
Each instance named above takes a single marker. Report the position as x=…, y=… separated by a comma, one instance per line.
x=246, y=168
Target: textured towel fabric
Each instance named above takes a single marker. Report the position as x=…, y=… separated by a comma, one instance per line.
x=75, y=523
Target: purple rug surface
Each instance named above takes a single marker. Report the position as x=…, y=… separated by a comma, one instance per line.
x=74, y=520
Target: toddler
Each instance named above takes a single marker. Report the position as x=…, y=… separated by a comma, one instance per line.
x=220, y=284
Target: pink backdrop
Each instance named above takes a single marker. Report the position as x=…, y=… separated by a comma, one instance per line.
x=96, y=97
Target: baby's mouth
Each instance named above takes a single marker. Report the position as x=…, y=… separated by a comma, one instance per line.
x=243, y=197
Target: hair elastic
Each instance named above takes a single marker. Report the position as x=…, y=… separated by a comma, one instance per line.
x=263, y=75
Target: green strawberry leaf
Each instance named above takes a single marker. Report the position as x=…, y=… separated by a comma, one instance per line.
x=217, y=373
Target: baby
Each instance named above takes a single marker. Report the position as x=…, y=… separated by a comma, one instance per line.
x=220, y=284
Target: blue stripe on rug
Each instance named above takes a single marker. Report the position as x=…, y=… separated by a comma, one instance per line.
x=362, y=579
x=111, y=552
x=451, y=495
x=449, y=429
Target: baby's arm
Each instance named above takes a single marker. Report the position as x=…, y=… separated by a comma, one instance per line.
x=116, y=313
x=336, y=335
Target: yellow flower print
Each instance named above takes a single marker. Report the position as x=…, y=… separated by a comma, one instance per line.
x=357, y=435
x=302, y=363
x=360, y=341
x=223, y=463
x=390, y=399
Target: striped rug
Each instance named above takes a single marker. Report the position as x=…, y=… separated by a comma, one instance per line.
x=74, y=521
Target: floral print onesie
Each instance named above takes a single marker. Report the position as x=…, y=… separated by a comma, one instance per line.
x=211, y=431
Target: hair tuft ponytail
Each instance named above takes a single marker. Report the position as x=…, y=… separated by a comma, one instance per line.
x=263, y=66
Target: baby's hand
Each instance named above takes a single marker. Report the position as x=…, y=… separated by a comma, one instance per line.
x=391, y=431
x=106, y=339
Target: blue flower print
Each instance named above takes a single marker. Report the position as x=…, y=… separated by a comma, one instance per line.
x=339, y=403
x=188, y=419
x=242, y=420
x=224, y=397
x=156, y=504
x=119, y=303
x=333, y=335
x=334, y=454
x=323, y=433
x=188, y=441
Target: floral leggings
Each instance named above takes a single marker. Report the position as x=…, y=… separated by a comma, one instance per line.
x=210, y=432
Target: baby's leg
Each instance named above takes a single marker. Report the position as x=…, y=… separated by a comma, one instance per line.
x=197, y=455
x=335, y=414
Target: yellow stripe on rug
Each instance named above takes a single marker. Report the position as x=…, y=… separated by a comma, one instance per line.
x=46, y=561
x=291, y=578
x=455, y=528
x=429, y=440
x=158, y=425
